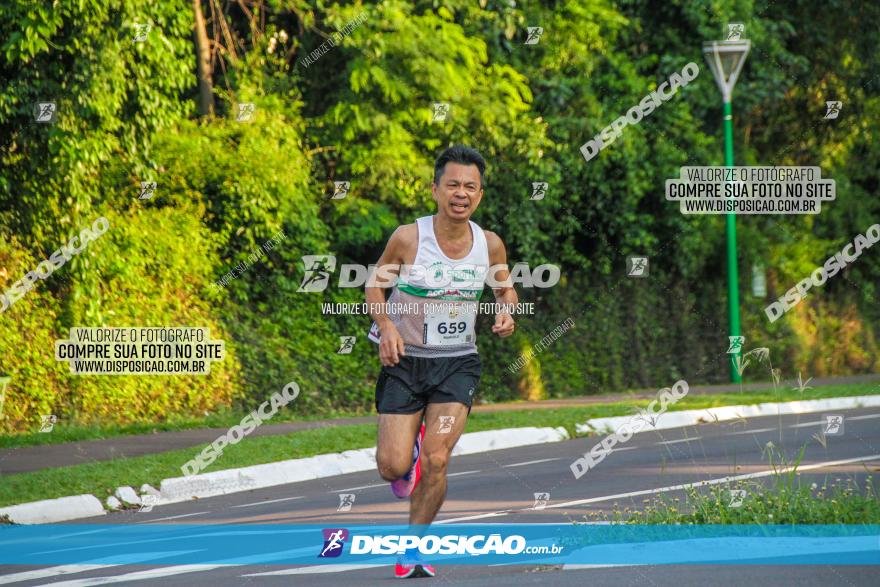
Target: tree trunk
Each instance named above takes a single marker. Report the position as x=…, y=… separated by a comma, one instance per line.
x=203, y=61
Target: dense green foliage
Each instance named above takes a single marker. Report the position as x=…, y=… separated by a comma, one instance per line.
x=362, y=112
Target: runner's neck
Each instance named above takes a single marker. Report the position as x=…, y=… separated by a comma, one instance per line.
x=454, y=238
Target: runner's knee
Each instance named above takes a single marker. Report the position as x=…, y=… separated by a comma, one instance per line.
x=390, y=468
x=435, y=462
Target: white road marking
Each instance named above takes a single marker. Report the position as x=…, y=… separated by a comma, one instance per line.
x=751, y=431
x=623, y=448
x=172, y=517
x=805, y=424
x=480, y=516
x=50, y=572
x=162, y=572
x=386, y=483
x=92, y=565
x=246, y=505
x=713, y=481
x=821, y=423
x=581, y=567
x=530, y=463
x=671, y=488
x=363, y=487
x=680, y=440
x=157, y=573
x=317, y=569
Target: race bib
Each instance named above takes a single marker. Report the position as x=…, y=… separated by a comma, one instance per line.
x=449, y=325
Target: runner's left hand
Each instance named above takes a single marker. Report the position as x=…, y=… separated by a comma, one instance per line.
x=503, y=324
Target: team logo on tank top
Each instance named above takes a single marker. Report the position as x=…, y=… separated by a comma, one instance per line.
x=463, y=281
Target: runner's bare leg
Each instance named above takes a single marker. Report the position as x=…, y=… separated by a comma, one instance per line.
x=436, y=450
x=394, y=445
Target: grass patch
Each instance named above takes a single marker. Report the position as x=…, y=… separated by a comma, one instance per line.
x=786, y=501
x=64, y=432
x=102, y=478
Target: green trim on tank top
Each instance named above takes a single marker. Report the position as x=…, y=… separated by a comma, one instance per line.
x=470, y=295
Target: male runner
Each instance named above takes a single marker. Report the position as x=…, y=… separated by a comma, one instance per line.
x=429, y=356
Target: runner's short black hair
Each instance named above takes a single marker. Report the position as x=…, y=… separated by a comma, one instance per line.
x=459, y=154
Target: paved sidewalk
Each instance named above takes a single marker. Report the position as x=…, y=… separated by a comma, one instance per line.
x=36, y=458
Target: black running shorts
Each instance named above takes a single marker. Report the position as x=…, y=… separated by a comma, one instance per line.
x=415, y=382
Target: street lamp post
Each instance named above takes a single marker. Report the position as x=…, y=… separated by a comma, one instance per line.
x=726, y=59
x=4, y=382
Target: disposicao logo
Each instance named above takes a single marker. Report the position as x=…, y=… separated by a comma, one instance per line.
x=334, y=540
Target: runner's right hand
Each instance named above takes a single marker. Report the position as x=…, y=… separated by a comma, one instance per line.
x=391, y=346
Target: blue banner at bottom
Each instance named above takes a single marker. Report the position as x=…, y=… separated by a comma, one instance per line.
x=472, y=544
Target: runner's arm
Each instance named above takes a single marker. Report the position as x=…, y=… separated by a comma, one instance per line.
x=502, y=286
x=387, y=269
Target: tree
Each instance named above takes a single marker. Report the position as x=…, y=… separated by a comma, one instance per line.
x=203, y=61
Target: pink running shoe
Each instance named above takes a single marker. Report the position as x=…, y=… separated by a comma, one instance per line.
x=404, y=486
x=411, y=566
x=405, y=571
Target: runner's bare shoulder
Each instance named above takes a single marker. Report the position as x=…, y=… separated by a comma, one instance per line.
x=403, y=244
x=497, y=253
x=407, y=234
x=492, y=239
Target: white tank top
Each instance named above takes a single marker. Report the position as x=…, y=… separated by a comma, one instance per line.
x=434, y=303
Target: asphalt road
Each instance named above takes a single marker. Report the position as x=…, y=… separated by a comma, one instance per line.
x=499, y=487
x=45, y=456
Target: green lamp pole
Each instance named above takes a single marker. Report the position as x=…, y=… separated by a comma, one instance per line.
x=4, y=382
x=726, y=59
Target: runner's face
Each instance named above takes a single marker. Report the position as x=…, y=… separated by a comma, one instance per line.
x=459, y=192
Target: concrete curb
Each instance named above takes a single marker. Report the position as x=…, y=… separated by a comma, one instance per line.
x=693, y=417
x=477, y=442
x=49, y=511
x=178, y=489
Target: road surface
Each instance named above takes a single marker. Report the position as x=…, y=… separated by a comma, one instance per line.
x=499, y=487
